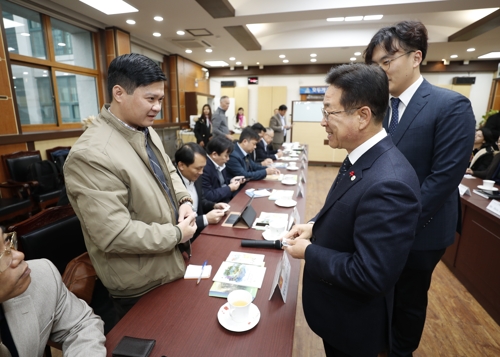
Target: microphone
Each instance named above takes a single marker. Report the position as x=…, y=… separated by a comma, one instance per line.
x=276, y=244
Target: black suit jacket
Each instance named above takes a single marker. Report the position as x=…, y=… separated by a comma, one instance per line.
x=202, y=132
x=262, y=151
x=236, y=166
x=212, y=188
x=361, y=239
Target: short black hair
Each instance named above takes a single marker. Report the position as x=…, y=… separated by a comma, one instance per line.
x=361, y=85
x=258, y=127
x=248, y=134
x=131, y=71
x=282, y=107
x=407, y=35
x=219, y=144
x=187, y=152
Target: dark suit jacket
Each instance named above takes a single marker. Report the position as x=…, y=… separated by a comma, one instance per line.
x=236, y=166
x=202, y=131
x=263, y=152
x=361, y=239
x=435, y=135
x=212, y=188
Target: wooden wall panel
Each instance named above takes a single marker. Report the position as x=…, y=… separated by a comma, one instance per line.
x=122, y=42
x=8, y=121
x=496, y=96
x=241, y=101
x=110, y=45
x=265, y=98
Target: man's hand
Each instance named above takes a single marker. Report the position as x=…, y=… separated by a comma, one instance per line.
x=267, y=162
x=299, y=231
x=221, y=205
x=469, y=171
x=234, y=185
x=297, y=248
x=188, y=227
x=272, y=171
x=184, y=211
x=214, y=216
x=202, y=144
x=279, y=154
x=288, y=126
x=229, y=136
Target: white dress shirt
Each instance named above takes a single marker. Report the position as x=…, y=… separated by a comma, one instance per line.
x=404, y=98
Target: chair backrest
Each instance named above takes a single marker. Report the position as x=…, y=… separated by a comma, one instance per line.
x=17, y=164
x=54, y=234
x=58, y=156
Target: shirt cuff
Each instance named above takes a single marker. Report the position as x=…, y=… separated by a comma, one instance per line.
x=205, y=220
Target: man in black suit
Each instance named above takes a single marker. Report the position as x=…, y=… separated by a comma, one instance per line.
x=190, y=159
x=357, y=246
x=264, y=148
x=434, y=128
x=261, y=131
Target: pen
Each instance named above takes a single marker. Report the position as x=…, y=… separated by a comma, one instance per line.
x=201, y=273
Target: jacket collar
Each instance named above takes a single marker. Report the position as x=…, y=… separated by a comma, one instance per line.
x=23, y=324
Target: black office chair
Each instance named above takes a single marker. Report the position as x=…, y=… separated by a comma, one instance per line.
x=19, y=205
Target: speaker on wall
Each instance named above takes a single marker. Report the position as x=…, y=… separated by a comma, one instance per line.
x=464, y=80
x=228, y=84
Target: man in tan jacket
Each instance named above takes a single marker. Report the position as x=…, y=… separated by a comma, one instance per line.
x=133, y=207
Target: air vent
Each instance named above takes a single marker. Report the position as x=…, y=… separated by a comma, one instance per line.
x=192, y=43
x=199, y=32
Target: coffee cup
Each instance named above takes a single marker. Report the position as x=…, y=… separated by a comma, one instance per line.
x=292, y=164
x=239, y=305
x=488, y=184
x=276, y=228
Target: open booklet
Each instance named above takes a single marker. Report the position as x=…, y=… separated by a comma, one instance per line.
x=266, y=217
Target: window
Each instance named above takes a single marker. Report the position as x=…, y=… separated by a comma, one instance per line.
x=77, y=96
x=72, y=45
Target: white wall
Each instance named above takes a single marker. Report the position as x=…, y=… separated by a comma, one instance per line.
x=479, y=94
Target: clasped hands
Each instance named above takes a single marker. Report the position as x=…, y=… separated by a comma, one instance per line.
x=297, y=239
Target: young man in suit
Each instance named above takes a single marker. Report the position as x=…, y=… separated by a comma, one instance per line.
x=35, y=306
x=434, y=129
x=357, y=247
x=216, y=185
x=239, y=163
x=278, y=124
x=191, y=159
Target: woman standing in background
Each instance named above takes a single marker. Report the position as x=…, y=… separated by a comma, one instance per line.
x=203, y=126
x=240, y=118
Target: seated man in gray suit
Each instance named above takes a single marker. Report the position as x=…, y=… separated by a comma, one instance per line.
x=35, y=306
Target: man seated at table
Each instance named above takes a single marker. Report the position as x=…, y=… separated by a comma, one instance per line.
x=191, y=159
x=239, y=163
x=265, y=149
x=35, y=306
x=216, y=185
x=264, y=161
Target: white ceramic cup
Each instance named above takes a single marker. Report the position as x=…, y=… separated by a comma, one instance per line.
x=292, y=164
x=276, y=228
x=488, y=183
x=239, y=305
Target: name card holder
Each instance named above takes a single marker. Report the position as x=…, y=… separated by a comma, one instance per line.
x=281, y=277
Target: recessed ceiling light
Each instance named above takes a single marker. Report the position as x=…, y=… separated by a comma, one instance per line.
x=110, y=7
x=9, y=23
x=208, y=50
x=453, y=56
x=130, y=22
x=156, y=34
x=232, y=58
x=24, y=34
x=181, y=33
x=238, y=63
x=189, y=51
x=258, y=63
x=357, y=53
x=25, y=73
x=313, y=59
x=352, y=59
x=373, y=17
x=354, y=18
x=61, y=44
x=472, y=49
x=158, y=18
x=285, y=61
x=217, y=63
x=490, y=55
x=335, y=19
x=282, y=56
x=11, y=49
x=313, y=55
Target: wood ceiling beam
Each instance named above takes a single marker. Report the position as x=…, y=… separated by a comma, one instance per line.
x=477, y=28
x=217, y=8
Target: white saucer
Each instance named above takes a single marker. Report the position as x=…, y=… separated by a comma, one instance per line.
x=285, y=203
x=290, y=182
x=289, y=159
x=484, y=188
x=227, y=322
x=292, y=168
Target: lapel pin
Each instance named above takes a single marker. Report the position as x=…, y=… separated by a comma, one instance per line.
x=353, y=176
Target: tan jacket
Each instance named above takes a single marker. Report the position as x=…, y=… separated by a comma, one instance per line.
x=127, y=219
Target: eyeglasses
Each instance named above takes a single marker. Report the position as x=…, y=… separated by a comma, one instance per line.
x=6, y=255
x=386, y=64
x=326, y=114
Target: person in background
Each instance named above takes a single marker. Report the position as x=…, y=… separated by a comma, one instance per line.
x=434, y=129
x=260, y=130
x=482, y=139
x=36, y=306
x=240, y=118
x=219, y=119
x=263, y=151
x=484, y=163
x=280, y=127
x=493, y=124
x=203, y=126
x=240, y=165
x=215, y=184
x=485, y=148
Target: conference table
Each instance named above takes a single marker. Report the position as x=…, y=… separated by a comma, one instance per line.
x=182, y=318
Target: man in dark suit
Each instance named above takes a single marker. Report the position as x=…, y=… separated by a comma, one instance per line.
x=434, y=129
x=280, y=127
x=263, y=151
x=191, y=159
x=216, y=185
x=261, y=131
x=239, y=163
x=357, y=247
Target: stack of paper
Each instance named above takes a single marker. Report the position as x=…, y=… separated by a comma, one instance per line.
x=194, y=271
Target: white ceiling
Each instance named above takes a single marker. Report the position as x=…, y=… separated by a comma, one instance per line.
x=295, y=28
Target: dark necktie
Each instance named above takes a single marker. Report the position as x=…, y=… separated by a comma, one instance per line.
x=6, y=341
x=394, y=116
x=221, y=178
x=346, y=165
x=155, y=165
x=247, y=163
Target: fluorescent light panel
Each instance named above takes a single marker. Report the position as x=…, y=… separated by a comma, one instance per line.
x=110, y=7
x=216, y=63
x=353, y=18
x=490, y=55
x=335, y=19
x=373, y=17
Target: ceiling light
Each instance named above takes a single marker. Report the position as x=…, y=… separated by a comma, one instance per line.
x=204, y=69
x=335, y=19
x=208, y=50
x=373, y=17
x=245, y=68
x=313, y=55
x=11, y=49
x=24, y=34
x=285, y=61
x=472, y=49
x=130, y=22
x=189, y=51
x=352, y=59
x=45, y=75
x=238, y=63
x=490, y=55
x=354, y=18
x=453, y=56
x=232, y=58
x=216, y=63
x=110, y=7
x=357, y=53
x=61, y=44
x=25, y=73
x=313, y=59
x=181, y=33
x=10, y=24
x=156, y=34
x=282, y=56
x=258, y=62
x=158, y=18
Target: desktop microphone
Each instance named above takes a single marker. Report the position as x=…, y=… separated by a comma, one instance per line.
x=276, y=244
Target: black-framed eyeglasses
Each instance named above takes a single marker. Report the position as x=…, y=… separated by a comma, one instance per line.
x=326, y=114
x=386, y=64
x=6, y=255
